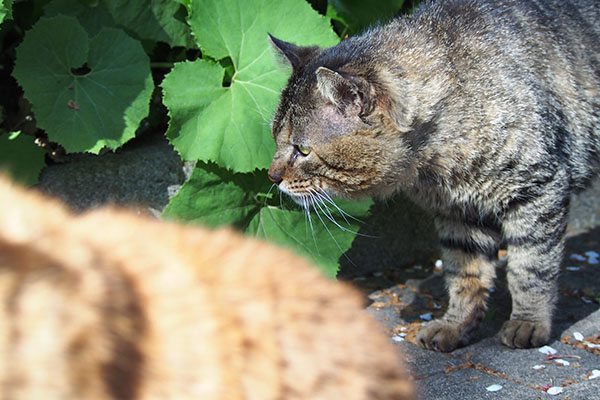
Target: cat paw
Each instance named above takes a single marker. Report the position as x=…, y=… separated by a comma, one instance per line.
x=440, y=336
x=524, y=334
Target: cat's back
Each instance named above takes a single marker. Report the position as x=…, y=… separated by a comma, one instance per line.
x=109, y=305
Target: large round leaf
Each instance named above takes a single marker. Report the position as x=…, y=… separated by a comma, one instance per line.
x=87, y=93
x=229, y=123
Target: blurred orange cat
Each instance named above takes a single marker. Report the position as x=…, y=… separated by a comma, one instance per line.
x=109, y=305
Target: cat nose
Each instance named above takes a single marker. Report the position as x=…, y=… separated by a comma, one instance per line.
x=275, y=177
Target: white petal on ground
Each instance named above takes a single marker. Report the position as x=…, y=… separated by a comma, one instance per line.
x=592, y=254
x=538, y=367
x=578, y=336
x=573, y=268
x=397, y=338
x=593, y=261
x=547, y=350
x=562, y=362
x=426, y=317
x=577, y=257
x=439, y=264
x=591, y=345
x=595, y=374
x=493, y=388
x=554, y=390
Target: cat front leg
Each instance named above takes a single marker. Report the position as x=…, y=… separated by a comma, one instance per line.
x=470, y=255
x=535, y=234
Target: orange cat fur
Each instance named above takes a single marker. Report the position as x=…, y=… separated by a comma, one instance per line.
x=109, y=305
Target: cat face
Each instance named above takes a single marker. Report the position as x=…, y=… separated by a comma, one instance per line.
x=329, y=130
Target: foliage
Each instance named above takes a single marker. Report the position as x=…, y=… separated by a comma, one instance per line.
x=87, y=95
x=4, y=10
x=21, y=158
x=228, y=124
x=84, y=73
x=214, y=196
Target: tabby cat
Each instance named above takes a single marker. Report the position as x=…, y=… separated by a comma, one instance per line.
x=486, y=112
x=110, y=305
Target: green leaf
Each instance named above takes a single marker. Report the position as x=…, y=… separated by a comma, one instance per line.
x=158, y=20
x=230, y=124
x=87, y=93
x=214, y=196
x=21, y=157
x=360, y=14
x=92, y=17
x=4, y=10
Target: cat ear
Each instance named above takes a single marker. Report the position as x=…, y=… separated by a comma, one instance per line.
x=296, y=56
x=347, y=93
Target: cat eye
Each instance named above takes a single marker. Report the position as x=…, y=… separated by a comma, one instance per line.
x=305, y=150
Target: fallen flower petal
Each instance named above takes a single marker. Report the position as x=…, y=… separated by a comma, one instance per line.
x=595, y=374
x=554, y=390
x=397, y=338
x=547, y=350
x=562, y=362
x=577, y=257
x=538, y=367
x=493, y=388
x=578, y=336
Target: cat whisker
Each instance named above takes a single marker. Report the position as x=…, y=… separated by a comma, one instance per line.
x=320, y=201
x=268, y=193
x=315, y=204
x=298, y=242
x=327, y=213
x=323, y=194
x=306, y=202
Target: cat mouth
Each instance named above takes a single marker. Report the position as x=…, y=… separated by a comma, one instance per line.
x=307, y=196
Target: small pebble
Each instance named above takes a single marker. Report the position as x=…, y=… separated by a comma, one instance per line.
x=547, y=350
x=578, y=336
x=554, y=390
x=595, y=374
x=493, y=388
